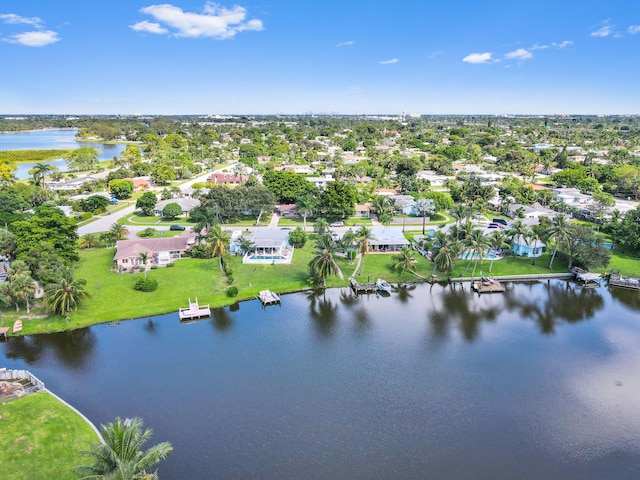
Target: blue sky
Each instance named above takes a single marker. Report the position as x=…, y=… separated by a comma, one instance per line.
x=294, y=56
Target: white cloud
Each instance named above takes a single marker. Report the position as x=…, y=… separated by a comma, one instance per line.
x=519, y=54
x=348, y=43
x=35, y=39
x=150, y=27
x=605, y=30
x=388, y=62
x=437, y=53
x=478, y=58
x=214, y=21
x=633, y=29
x=562, y=44
x=12, y=18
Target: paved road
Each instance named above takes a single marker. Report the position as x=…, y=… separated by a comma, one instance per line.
x=104, y=223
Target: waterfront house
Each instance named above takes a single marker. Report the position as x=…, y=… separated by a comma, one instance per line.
x=270, y=246
x=160, y=251
x=527, y=248
x=70, y=185
x=387, y=240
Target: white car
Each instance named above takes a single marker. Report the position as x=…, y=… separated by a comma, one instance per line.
x=337, y=224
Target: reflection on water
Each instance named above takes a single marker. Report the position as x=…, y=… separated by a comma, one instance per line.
x=71, y=349
x=538, y=382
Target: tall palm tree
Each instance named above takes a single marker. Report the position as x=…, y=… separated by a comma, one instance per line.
x=476, y=245
x=404, y=261
x=23, y=288
x=560, y=230
x=447, y=255
x=218, y=241
x=324, y=262
x=517, y=231
x=119, y=230
x=363, y=237
x=499, y=240
x=459, y=212
x=246, y=244
x=304, y=206
x=121, y=457
x=39, y=173
x=206, y=219
x=64, y=295
x=321, y=226
x=536, y=233
x=144, y=256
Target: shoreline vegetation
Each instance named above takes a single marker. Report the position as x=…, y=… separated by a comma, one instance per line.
x=114, y=299
x=33, y=156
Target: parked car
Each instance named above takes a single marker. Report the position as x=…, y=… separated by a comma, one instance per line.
x=177, y=227
x=337, y=224
x=500, y=221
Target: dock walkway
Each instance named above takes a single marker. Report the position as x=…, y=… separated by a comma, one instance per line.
x=362, y=287
x=487, y=285
x=618, y=280
x=194, y=311
x=267, y=297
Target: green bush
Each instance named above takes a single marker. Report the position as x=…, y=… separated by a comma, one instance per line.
x=154, y=267
x=298, y=237
x=86, y=215
x=98, y=211
x=146, y=284
x=147, y=232
x=232, y=292
x=169, y=265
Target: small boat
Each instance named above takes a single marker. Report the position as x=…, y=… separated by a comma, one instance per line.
x=383, y=285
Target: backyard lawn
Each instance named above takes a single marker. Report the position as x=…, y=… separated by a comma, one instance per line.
x=42, y=438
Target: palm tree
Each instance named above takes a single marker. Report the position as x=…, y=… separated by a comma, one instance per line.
x=363, y=237
x=22, y=288
x=383, y=208
x=218, y=240
x=89, y=240
x=459, y=212
x=305, y=205
x=499, y=241
x=476, y=244
x=39, y=173
x=560, y=231
x=121, y=457
x=206, y=219
x=144, y=256
x=517, y=231
x=246, y=244
x=321, y=226
x=404, y=260
x=64, y=295
x=346, y=244
x=447, y=255
x=119, y=230
x=425, y=208
x=536, y=233
x=324, y=262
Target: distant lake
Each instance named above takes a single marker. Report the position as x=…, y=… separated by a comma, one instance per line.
x=541, y=382
x=52, y=140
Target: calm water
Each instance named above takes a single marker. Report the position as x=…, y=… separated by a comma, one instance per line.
x=541, y=382
x=52, y=139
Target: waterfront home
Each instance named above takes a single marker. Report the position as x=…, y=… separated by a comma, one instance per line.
x=387, y=240
x=186, y=204
x=160, y=252
x=269, y=246
x=527, y=248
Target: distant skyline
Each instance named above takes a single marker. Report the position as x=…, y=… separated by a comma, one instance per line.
x=293, y=57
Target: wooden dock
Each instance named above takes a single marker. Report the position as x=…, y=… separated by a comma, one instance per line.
x=194, y=311
x=362, y=287
x=487, y=285
x=267, y=297
x=618, y=280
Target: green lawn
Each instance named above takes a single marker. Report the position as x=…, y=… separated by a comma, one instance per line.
x=627, y=262
x=42, y=438
x=114, y=298
x=138, y=218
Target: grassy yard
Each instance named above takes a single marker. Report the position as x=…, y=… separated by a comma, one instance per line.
x=42, y=438
x=114, y=298
x=140, y=219
x=626, y=261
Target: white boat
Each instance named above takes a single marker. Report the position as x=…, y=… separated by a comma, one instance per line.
x=383, y=285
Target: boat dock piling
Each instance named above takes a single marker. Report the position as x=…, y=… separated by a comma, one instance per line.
x=362, y=287
x=194, y=311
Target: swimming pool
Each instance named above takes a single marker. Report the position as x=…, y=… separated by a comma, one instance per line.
x=469, y=256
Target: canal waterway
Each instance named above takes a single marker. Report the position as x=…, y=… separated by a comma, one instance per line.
x=53, y=139
x=539, y=382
